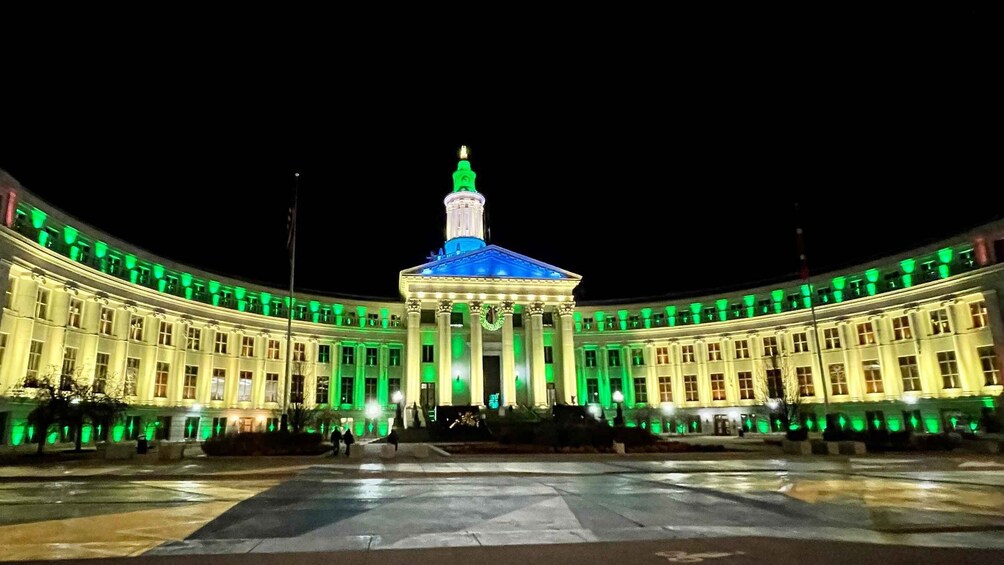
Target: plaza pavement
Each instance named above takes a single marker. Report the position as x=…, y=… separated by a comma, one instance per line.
x=317, y=505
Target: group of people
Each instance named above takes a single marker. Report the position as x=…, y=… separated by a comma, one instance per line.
x=337, y=438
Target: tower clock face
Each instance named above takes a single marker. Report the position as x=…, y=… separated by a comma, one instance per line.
x=492, y=317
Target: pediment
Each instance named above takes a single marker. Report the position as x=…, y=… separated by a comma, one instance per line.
x=491, y=262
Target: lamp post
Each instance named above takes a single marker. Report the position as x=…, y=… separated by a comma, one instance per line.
x=372, y=413
x=398, y=417
x=619, y=400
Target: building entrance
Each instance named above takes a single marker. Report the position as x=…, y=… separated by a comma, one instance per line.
x=492, y=371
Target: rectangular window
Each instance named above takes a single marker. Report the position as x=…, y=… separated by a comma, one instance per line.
x=866, y=334
x=166, y=333
x=592, y=390
x=348, y=383
x=831, y=338
x=939, y=322
x=393, y=385
x=687, y=354
x=349, y=354
x=988, y=361
x=637, y=358
x=901, y=328
x=949, y=369
x=714, y=352
x=34, y=358
x=428, y=354
x=662, y=355
x=299, y=352
x=590, y=358
x=41, y=303
x=273, y=349
x=770, y=346
x=742, y=349
x=222, y=341
x=717, y=386
x=160, y=380
x=324, y=353
x=192, y=427
x=322, y=389
x=193, y=339
x=271, y=387
x=978, y=313
x=805, y=384
x=838, y=379
x=372, y=356
x=394, y=357
x=131, y=376
x=614, y=358
x=800, y=342
x=745, y=385
x=136, y=328
x=244, y=380
x=191, y=380
x=107, y=321
x=219, y=426
x=371, y=389
x=911, y=376
x=548, y=355
x=219, y=382
x=690, y=387
x=873, y=376
x=73, y=317
x=69, y=362
x=665, y=389
x=640, y=394
x=775, y=384
x=247, y=346
x=100, y=373
x=296, y=389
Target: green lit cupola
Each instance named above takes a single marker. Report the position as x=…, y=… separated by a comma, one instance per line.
x=465, y=211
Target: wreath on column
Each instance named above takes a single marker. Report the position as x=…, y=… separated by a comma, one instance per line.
x=492, y=317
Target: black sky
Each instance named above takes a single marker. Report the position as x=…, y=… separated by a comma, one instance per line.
x=651, y=167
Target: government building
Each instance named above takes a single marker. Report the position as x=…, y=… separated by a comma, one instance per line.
x=911, y=342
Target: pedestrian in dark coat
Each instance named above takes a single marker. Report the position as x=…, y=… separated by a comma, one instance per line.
x=349, y=440
x=336, y=439
x=392, y=438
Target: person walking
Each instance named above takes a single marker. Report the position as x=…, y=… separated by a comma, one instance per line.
x=349, y=440
x=392, y=438
x=336, y=439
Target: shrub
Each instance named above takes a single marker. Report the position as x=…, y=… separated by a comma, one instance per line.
x=265, y=443
x=801, y=434
x=633, y=437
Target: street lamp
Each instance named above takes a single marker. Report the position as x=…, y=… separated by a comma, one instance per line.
x=619, y=399
x=372, y=412
x=397, y=397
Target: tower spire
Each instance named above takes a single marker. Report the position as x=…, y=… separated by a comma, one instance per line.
x=463, y=177
x=465, y=224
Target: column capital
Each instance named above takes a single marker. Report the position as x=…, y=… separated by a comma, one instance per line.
x=475, y=306
x=71, y=288
x=566, y=309
x=444, y=307
x=949, y=300
x=911, y=308
x=508, y=306
x=101, y=298
x=536, y=308
x=414, y=306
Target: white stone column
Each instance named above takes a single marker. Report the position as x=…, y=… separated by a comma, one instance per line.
x=508, y=356
x=996, y=325
x=445, y=386
x=651, y=376
x=925, y=363
x=413, y=363
x=538, y=378
x=970, y=374
x=477, y=351
x=569, y=382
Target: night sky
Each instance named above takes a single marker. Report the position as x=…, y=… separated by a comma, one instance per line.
x=655, y=174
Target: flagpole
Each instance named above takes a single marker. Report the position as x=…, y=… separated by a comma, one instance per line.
x=289, y=315
x=812, y=310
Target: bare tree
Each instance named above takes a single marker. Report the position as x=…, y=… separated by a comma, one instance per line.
x=298, y=414
x=777, y=388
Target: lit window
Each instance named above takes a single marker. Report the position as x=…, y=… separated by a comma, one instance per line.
x=745, y=385
x=73, y=318
x=131, y=376
x=838, y=379
x=218, y=384
x=662, y=355
x=949, y=369
x=866, y=334
x=939, y=322
x=687, y=354
x=742, y=349
x=41, y=303
x=191, y=380
x=901, y=328
x=590, y=357
x=271, y=387
x=372, y=356
x=873, y=376
x=770, y=346
x=978, y=312
x=222, y=340
x=665, y=389
x=831, y=338
x=714, y=352
x=800, y=342
x=273, y=349
x=136, y=328
x=166, y=332
x=193, y=339
x=805, y=385
x=247, y=346
x=910, y=374
x=690, y=387
x=988, y=361
x=299, y=352
x=107, y=321
x=244, y=381
x=160, y=380
x=717, y=386
x=321, y=396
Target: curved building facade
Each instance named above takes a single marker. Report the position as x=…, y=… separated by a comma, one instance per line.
x=913, y=341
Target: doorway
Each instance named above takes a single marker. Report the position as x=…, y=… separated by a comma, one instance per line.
x=427, y=396
x=491, y=366
x=722, y=425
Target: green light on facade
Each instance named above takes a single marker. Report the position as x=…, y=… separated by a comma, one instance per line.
x=943, y=271
x=338, y=309
x=877, y=423
x=907, y=281
x=118, y=432
x=158, y=271
x=133, y=276
x=37, y=218
x=161, y=285
x=908, y=265
x=842, y=422
x=893, y=425
x=599, y=316
x=130, y=261
x=872, y=275
x=671, y=315
x=945, y=255
x=722, y=304
x=265, y=298
x=315, y=306
x=622, y=316
x=839, y=283
x=384, y=318
x=52, y=438
x=931, y=424
x=85, y=434
x=914, y=422
x=214, y=287
x=973, y=425
x=857, y=424
x=100, y=249
x=186, y=280
x=242, y=305
x=428, y=372
x=43, y=238
x=871, y=288
x=240, y=292
x=988, y=402
x=763, y=426
x=189, y=292
x=75, y=253
x=216, y=300
x=777, y=295
x=656, y=427
x=463, y=177
x=695, y=311
x=70, y=235
x=749, y=300
x=17, y=435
